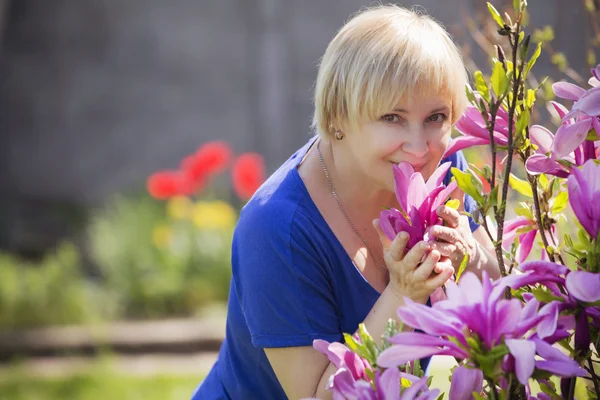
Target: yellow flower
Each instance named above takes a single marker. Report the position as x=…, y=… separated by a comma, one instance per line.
x=162, y=235
x=214, y=215
x=179, y=207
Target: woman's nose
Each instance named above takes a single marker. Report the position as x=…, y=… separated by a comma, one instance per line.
x=417, y=147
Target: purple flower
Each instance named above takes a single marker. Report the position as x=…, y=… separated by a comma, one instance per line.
x=584, y=196
x=418, y=202
x=546, y=160
x=585, y=111
x=472, y=126
x=584, y=286
x=351, y=380
x=464, y=382
x=476, y=310
x=523, y=228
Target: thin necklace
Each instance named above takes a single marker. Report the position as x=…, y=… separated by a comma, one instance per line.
x=337, y=199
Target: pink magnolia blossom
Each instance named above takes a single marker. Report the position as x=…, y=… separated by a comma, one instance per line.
x=546, y=160
x=526, y=231
x=585, y=112
x=418, y=202
x=584, y=196
x=476, y=309
x=351, y=381
x=472, y=127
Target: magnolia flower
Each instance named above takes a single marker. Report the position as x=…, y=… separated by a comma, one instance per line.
x=584, y=196
x=546, y=159
x=464, y=382
x=526, y=230
x=475, y=310
x=586, y=111
x=418, y=201
x=474, y=132
x=351, y=380
x=582, y=287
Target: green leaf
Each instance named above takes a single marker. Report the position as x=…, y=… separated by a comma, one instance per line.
x=517, y=5
x=470, y=95
x=462, y=267
x=524, y=210
x=453, y=203
x=533, y=59
x=592, y=135
x=520, y=186
x=544, y=296
x=481, y=85
x=543, y=179
x=495, y=15
x=530, y=99
x=493, y=197
x=560, y=202
x=470, y=184
x=523, y=121
x=368, y=343
x=499, y=80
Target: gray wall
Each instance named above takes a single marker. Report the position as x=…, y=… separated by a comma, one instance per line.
x=97, y=94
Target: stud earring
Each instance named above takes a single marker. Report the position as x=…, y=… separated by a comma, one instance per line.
x=339, y=135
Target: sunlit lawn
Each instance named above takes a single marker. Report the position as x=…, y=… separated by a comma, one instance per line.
x=96, y=383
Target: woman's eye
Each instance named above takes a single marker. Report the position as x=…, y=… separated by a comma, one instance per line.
x=439, y=117
x=390, y=118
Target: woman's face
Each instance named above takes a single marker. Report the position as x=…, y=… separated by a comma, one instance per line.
x=417, y=131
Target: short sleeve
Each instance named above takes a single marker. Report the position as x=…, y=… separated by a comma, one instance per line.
x=282, y=279
x=459, y=161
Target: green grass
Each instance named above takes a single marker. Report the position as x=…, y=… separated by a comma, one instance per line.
x=97, y=383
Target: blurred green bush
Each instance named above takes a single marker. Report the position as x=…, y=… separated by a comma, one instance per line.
x=154, y=262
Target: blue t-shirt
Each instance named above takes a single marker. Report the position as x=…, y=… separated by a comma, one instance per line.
x=292, y=283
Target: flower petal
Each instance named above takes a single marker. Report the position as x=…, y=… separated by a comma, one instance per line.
x=465, y=381
x=542, y=138
x=437, y=178
x=463, y=142
x=401, y=354
x=589, y=103
x=542, y=164
x=526, y=244
x=561, y=368
x=524, y=353
x=585, y=286
x=402, y=174
x=388, y=387
x=568, y=91
x=570, y=136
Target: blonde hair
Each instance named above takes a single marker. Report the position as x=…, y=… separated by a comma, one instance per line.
x=381, y=55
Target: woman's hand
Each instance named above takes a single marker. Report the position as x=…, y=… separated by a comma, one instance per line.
x=454, y=240
x=412, y=273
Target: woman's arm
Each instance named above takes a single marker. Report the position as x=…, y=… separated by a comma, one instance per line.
x=304, y=372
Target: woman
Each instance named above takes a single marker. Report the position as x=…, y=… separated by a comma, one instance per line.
x=309, y=261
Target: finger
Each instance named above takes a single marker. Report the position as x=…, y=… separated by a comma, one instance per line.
x=445, y=249
x=414, y=256
x=443, y=263
x=438, y=280
x=425, y=269
x=449, y=215
x=459, y=195
x=398, y=246
x=385, y=241
x=446, y=234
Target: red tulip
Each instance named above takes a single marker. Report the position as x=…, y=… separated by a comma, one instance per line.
x=165, y=184
x=210, y=159
x=248, y=173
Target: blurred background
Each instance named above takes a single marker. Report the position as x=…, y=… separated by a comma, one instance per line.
x=106, y=290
